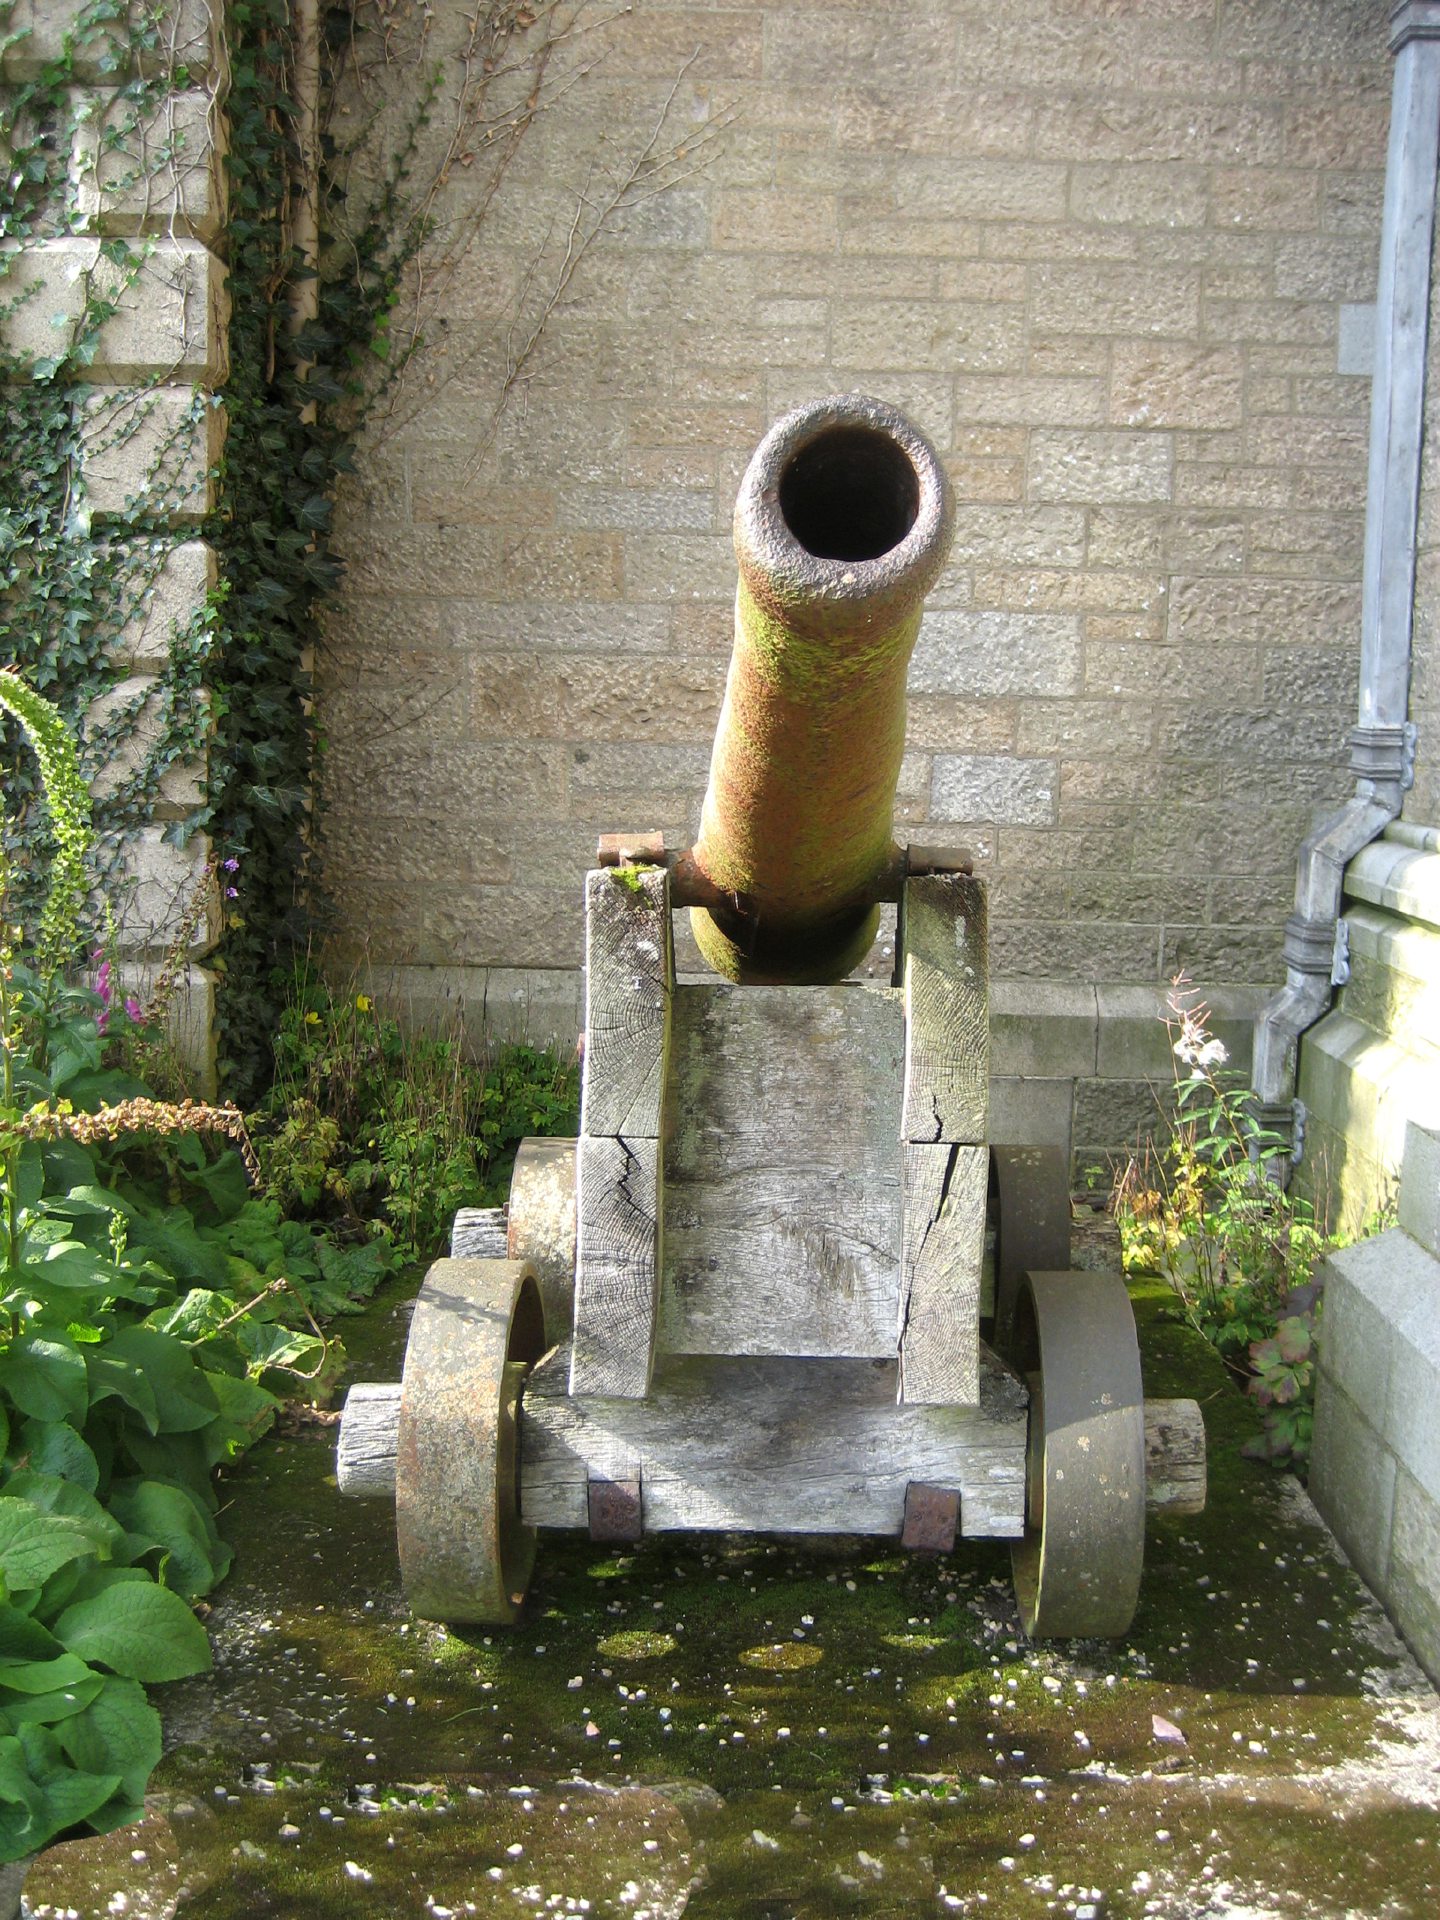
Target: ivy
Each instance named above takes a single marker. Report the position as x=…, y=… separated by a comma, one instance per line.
x=70, y=589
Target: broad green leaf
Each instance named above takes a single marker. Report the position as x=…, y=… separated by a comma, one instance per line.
x=158, y=1515
x=50, y=1494
x=246, y=1411
x=119, y=1732
x=139, y=1630
x=79, y=1269
x=69, y=1172
x=68, y=1794
x=22, y=1638
x=43, y=1676
x=44, y=1375
x=114, y=1376
x=33, y=1544
x=183, y=1398
x=226, y=1184
x=48, y=1709
x=53, y=1446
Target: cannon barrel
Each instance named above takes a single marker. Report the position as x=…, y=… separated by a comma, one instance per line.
x=842, y=523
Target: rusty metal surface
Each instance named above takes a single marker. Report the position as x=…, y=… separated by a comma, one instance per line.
x=616, y=1510
x=921, y=859
x=1032, y=1226
x=842, y=524
x=541, y=1227
x=465, y=1555
x=932, y=1518
x=630, y=849
x=1077, y=1571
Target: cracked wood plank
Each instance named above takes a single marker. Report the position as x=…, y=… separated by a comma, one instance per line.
x=617, y=1265
x=629, y=977
x=782, y=1172
x=942, y=1247
x=943, y=937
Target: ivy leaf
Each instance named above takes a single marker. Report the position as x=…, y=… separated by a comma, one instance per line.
x=137, y=1629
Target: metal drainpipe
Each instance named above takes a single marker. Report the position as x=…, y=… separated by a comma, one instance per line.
x=1382, y=744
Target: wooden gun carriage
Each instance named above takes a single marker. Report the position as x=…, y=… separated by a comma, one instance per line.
x=751, y=1296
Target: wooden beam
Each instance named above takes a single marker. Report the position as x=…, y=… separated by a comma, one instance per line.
x=944, y=970
x=629, y=976
x=557, y=1445
x=942, y=1250
x=617, y=1248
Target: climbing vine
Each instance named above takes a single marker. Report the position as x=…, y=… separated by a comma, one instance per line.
x=73, y=588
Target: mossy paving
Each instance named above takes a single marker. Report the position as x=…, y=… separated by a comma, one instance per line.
x=773, y=1732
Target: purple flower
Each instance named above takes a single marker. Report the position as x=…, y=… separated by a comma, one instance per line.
x=134, y=1009
x=232, y=893
x=232, y=865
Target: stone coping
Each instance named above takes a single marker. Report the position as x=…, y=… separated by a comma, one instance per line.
x=1400, y=871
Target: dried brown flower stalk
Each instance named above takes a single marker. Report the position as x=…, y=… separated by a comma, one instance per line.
x=142, y=1116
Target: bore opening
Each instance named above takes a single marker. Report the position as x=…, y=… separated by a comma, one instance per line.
x=850, y=494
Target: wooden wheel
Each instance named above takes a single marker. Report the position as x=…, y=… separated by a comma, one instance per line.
x=1077, y=1570
x=1032, y=1223
x=542, y=1227
x=465, y=1555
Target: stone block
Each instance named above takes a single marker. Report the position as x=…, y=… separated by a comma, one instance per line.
x=151, y=450
x=1420, y=1187
x=135, y=707
x=1019, y=537
x=955, y=188
x=1100, y=467
x=993, y=787
x=769, y=220
x=1022, y=400
x=489, y=1005
x=1363, y=1296
x=170, y=312
x=594, y=697
x=189, y=1018
x=1413, y=1587
x=1128, y=301
x=938, y=335
x=1111, y=1116
x=1352, y=1482
x=156, y=890
x=1135, y=1041
x=1042, y=1029
x=637, y=509
x=1169, y=383
x=185, y=33
x=1162, y=195
x=1270, y=198
x=170, y=586
x=161, y=173
x=1030, y=1112
x=989, y=654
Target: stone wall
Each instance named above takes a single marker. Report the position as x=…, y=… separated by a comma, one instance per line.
x=151, y=429
x=1375, y=1472
x=1115, y=258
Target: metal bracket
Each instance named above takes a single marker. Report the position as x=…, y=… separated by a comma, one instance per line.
x=1384, y=754
x=932, y=1518
x=1340, y=961
x=616, y=1511
x=1310, y=945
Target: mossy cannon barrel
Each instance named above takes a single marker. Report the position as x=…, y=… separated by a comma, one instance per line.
x=842, y=523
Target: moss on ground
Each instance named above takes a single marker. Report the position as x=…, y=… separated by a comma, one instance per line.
x=769, y=1731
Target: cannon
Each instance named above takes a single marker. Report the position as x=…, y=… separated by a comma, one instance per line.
x=783, y=1282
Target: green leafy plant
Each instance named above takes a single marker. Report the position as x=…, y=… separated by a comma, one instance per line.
x=153, y=1313
x=1205, y=1210
x=391, y=1130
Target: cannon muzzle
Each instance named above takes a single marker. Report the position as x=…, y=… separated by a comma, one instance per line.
x=842, y=524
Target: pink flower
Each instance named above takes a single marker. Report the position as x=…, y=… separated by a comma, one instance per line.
x=134, y=1009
